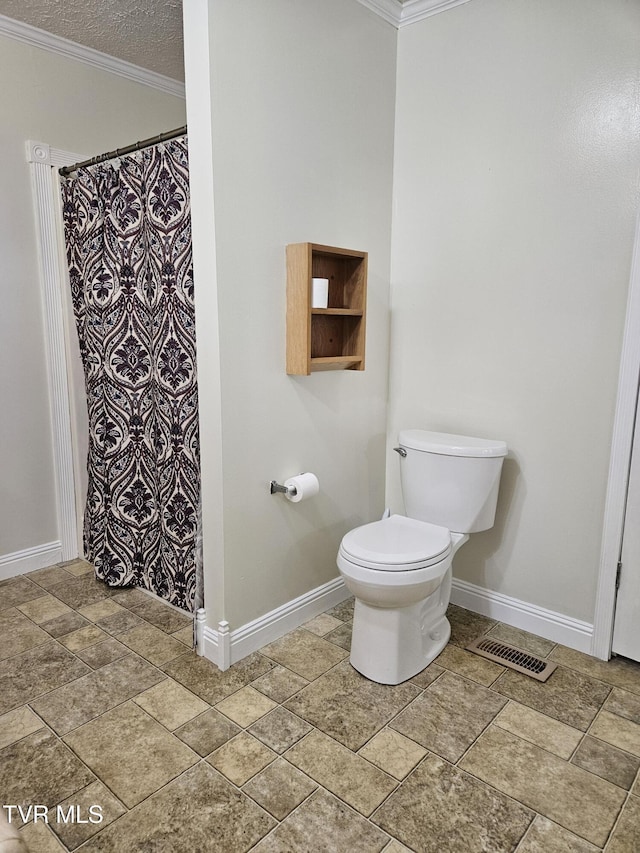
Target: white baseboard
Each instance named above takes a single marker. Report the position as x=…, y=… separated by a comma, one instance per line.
x=215, y=647
x=225, y=647
x=21, y=562
x=520, y=614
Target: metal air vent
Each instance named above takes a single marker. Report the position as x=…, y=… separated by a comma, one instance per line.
x=514, y=658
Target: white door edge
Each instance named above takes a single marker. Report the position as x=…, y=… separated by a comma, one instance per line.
x=43, y=162
x=619, y=464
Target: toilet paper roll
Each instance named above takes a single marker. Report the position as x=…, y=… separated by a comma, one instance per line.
x=319, y=292
x=306, y=486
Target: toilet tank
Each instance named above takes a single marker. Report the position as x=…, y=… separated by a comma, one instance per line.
x=451, y=480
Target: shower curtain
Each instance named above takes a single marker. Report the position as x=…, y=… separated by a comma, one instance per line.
x=128, y=237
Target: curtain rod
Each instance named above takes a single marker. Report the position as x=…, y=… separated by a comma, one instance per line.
x=65, y=171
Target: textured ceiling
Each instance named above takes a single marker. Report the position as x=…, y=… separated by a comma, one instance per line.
x=147, y=33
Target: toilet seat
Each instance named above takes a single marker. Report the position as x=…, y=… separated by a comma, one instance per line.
x=396, y=544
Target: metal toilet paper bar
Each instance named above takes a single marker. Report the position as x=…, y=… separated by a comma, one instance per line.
x=275, y=487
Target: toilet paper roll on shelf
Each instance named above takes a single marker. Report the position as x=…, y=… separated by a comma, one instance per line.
x=319, y=292
x=297, y=488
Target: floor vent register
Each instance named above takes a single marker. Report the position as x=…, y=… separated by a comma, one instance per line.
x=512, y=657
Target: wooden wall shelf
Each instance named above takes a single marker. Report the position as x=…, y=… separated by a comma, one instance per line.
x=330, y=338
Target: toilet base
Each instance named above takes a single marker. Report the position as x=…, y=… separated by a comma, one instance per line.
x=391, y=645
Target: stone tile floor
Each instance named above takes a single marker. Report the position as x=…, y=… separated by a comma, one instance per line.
x=103, y=703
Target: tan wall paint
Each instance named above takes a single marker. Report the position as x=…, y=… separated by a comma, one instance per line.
x=515, y=195
x=516, y=187
x=303, y=98
x=71, y=106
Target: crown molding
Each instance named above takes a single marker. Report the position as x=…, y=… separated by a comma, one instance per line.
x=27, y=34
x=401, y=14
x=393, y=11
x=418, y=10
x=390, y=10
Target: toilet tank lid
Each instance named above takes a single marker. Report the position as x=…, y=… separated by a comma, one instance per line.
x=450, y=445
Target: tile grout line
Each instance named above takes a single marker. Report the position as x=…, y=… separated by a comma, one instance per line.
x=457, y=674
x=319, y=786
x=602, y=740
x=618, y=819
x=130, y=653
x=335, y=794
x=534, y=743
x=73, y=793
x=527, y=831
x=27, y=705
x=104, y=784
x=540, y=814
x=74, y=681
x=397, y=783
x=477, y=779
x=129, y=810
x=567, y=761
x=166, y=676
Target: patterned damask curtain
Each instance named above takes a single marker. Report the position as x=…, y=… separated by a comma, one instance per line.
x=128, y=236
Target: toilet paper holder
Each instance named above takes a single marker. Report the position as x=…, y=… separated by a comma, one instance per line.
x=275, y=487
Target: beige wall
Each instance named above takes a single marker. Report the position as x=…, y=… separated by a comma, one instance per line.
x=516, y=189
x=71, y=106
x=303, y=103
x=515, y=194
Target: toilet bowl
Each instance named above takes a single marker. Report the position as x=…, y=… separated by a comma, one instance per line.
x=399, y=568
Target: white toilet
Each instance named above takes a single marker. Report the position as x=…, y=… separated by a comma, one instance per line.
x=399, y=569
